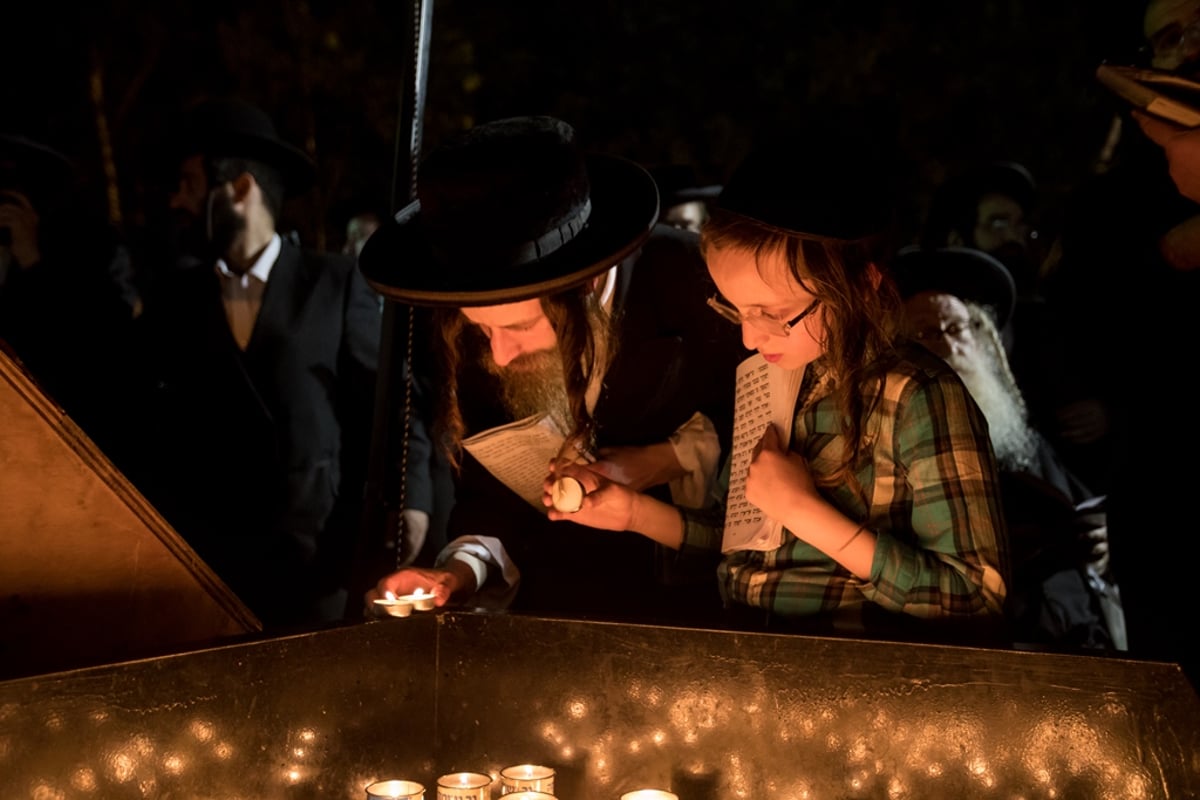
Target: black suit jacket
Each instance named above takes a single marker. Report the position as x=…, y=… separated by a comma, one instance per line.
x=675, y=357
x=259, y=456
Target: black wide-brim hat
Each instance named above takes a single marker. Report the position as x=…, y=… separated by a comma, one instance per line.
x=964, y=272
x=831, y=178
x=32, y=166
x=232, y=128
x=508, y=211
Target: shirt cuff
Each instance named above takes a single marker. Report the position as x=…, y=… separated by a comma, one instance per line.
x=698, y=451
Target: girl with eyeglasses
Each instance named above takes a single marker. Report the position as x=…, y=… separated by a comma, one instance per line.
x=888, y=490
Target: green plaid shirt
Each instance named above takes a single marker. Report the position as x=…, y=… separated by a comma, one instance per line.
x=934, y=507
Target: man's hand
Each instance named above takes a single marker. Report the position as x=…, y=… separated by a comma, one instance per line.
x=1182, y=149
x=441, y=583
x=1091, y=540
x=416, y=528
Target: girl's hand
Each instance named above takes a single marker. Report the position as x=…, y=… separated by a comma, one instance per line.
x=779, y=481
x=606, y=504
x=639, y=468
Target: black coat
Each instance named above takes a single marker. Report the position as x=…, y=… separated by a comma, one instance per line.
x=257, y=458
x=675, y=357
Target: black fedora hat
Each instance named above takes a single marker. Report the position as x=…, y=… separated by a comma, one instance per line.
x=508, y=211
x=31, y=165
x=233, y=128
x=964, y=272
x=831, y=178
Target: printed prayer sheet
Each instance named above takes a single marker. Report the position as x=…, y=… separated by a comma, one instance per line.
x=764, y=395
x=518, y=454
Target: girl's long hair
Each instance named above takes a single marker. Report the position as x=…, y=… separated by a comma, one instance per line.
x=584, y=343
x=860, y=313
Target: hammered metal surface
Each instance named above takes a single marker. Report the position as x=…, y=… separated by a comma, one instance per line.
x=612, y=707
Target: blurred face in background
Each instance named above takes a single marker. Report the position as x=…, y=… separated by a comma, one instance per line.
x=1000, y=224
x=187, y=207
x=358, y=230
x=1172, y=29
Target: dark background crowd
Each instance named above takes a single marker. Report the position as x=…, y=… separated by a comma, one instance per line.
x=950, y=86
x=664, y=82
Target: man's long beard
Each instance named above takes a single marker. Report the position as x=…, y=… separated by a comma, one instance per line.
x=533, y=383
x=1012, y=439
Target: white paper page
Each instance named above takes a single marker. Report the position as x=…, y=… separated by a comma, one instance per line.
x=518, y=455
x=763, y=394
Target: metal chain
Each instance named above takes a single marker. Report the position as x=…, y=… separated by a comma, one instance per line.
x=408, y=389
x=422, y=14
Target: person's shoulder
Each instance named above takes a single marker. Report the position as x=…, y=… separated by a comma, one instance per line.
x=915, y=371
x=916, y=362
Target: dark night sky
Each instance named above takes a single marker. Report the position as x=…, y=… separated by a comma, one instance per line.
x=663, y=81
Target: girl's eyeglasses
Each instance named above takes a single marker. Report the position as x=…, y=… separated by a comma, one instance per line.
x=758, y=319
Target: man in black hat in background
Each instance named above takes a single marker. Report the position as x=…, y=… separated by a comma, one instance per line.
x=263, y=358
x=957, y=299
x=558, y=299
x=67, y=296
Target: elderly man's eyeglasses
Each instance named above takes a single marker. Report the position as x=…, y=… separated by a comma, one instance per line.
x=1171, y=44
x=760, y=320
x=955, y=330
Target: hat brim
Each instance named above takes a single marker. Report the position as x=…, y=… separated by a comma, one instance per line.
x=399, y=262
x=34, y=162
x=295, y=167
x=964, y=272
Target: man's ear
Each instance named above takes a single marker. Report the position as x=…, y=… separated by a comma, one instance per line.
x=243, y=185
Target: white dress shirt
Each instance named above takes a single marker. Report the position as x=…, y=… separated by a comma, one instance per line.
x=243, y=294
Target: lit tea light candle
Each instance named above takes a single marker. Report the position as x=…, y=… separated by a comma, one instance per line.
x=395, y=790
x=649, y=794
x=528, y=795
x=524, y=777
x=394, y=606
x=421, y=600
x=403, y=605
x=464, y=786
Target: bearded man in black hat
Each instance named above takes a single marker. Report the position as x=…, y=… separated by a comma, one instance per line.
x=957, y=299
x=264, y=358
x=559, y=305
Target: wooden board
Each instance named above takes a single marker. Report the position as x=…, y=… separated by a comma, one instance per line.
x=89, y=572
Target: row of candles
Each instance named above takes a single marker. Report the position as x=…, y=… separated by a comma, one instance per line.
x=521, y=782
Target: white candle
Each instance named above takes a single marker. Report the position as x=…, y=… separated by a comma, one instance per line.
x=649, y=794
x=527, y=776
x=403, y=605
x=528, y=795
x=396, y=790
x=464, y=786
x=395, y=606
x=421, y=600
x=567, y=494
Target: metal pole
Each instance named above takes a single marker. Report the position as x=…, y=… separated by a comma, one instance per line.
x=379, y=494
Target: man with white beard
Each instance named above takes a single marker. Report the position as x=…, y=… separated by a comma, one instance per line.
x=956, y=301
